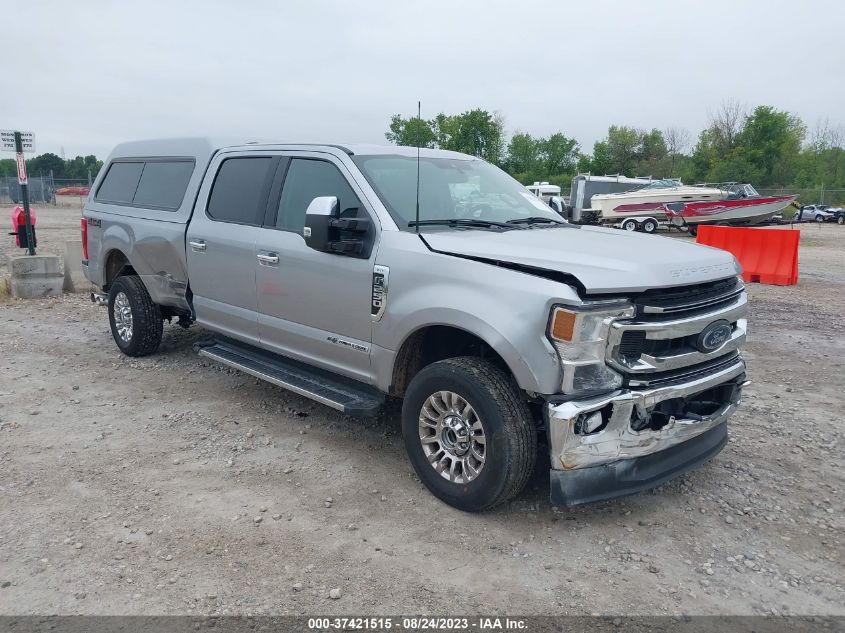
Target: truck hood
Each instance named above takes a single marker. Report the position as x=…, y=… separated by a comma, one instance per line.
x=602, y=260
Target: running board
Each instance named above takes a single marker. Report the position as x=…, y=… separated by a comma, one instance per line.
x=347, y=396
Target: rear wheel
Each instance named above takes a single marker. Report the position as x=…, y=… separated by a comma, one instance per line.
x=629, y=225
x=819, y=219
x=469, y=435
x=649, y=226
x=840, y=220
x=136, y=322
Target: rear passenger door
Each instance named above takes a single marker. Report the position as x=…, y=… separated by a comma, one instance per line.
x=221, y=242
x=315, y=306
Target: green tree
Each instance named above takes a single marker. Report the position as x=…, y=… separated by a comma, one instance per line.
x=559, y=154
x=42, y=164
x=80, y=166
x=479, y=133
x=476, y=132
x=601, y=162
x=653, y=147
x=412, y=132
x=8, y=167
x=523, y=154
x=771, y=141
x=624, y=147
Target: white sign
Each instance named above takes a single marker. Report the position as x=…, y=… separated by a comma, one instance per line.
x=21, y=169
x=7, y=141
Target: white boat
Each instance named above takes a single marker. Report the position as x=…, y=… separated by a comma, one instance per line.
x=650, y=199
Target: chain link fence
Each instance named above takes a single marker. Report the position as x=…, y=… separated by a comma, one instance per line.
x=42, y=189
x=818, y=195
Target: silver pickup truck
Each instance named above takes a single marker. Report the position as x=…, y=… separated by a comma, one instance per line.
x=350, y=274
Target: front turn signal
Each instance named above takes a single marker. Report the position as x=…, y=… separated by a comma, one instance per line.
x=563, y=325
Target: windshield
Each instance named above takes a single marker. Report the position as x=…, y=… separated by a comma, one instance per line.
x=663, y=184
x=449, y=189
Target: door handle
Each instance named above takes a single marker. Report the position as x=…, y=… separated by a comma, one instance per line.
x=197, y=245
x=269, y=258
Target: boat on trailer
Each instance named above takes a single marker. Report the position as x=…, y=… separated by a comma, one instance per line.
x=669, y=200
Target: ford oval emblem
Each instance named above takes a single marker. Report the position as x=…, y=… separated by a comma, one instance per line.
x=714, y=336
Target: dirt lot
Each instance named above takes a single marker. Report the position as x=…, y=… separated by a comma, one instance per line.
x=169, y=485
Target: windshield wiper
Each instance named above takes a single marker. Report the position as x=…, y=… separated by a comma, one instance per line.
x=536, y=219
x=463, y=222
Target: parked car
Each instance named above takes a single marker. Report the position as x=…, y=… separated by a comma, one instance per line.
x=493, y=319
x=814, y=213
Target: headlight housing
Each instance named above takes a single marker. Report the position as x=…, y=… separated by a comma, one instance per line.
x=579, y=335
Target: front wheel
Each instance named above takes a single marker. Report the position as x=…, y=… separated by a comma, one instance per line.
x=819, y=219
x=468, y=433
x=629, y=225
x=136, y=322
x=840, y=220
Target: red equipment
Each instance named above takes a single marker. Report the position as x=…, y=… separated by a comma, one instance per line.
x=19, y=226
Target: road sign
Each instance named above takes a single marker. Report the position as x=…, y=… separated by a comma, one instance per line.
x=21, y=169
x=7, y=141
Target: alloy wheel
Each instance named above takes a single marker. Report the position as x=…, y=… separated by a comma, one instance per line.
x=452, y=437
x=123, y=317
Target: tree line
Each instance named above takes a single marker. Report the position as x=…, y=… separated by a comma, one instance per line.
x=766, y=147
x=77, y=168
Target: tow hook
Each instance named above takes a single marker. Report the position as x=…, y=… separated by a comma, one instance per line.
x=100, y=298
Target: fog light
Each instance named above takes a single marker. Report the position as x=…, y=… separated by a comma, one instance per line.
x=588, y=423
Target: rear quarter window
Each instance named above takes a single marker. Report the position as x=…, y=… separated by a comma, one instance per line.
x=163, y=184
x=158, y=184
x=121, y=182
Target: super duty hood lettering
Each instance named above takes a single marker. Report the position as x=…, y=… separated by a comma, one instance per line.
x=602, y=260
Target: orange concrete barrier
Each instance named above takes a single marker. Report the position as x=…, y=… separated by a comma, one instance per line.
x=767, y=256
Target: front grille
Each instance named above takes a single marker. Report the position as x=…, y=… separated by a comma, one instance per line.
x=687, y=301
x=634, y=344
x=661, y=341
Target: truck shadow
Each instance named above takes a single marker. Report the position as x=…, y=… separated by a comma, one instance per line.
x=383, y=430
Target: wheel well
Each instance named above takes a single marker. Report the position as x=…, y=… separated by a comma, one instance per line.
x=434, y=343
x=117, y=264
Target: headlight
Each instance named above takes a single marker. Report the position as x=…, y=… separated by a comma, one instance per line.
x=580, y=338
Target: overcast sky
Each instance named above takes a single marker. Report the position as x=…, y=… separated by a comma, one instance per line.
x=97, y=73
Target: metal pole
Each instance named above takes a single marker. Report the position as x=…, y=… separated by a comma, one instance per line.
x=30, y=237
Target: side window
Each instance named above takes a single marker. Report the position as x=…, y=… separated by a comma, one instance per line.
x=120, y=182
x=163, y=184
x=308, y=179
x=240, y=190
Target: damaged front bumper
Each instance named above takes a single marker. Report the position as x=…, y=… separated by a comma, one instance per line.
x=629, y=441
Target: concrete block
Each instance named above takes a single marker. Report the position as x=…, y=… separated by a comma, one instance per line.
x=36, y=276
x=74, y=278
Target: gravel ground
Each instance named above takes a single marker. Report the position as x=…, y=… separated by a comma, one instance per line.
x=169, y=485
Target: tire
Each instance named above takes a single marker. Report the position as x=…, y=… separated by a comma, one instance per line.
x=145, y=323
x=840, y=220
x=819, y=219
x=509, y=433
x=649, y=226
x=692, y=230
x=630, y=225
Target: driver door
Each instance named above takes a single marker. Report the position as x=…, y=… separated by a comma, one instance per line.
x=314, y=306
